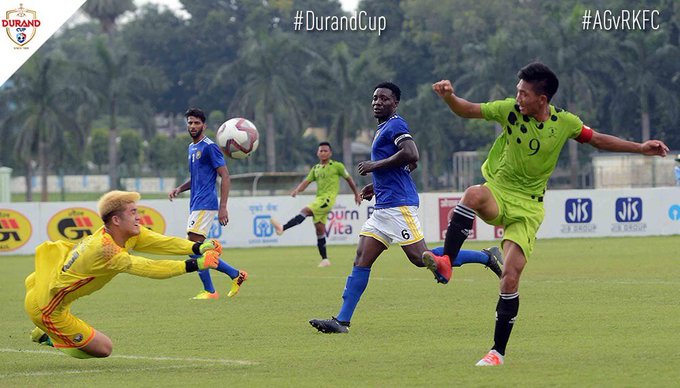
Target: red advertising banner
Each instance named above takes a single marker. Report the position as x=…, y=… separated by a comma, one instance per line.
x=446, y=206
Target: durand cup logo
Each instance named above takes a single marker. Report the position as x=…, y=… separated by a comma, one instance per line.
x=73, y=224
x=21, y=25
x=15, y=230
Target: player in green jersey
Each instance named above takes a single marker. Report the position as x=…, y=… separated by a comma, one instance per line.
x=326, y=174
x=516, y=172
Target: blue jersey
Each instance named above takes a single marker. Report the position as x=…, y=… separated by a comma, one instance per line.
x=393, y=186
x=204, y=159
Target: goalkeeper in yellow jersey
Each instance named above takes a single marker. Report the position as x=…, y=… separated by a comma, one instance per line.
x=65, y=272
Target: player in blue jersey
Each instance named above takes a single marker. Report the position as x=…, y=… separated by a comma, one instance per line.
x=395, y=218
x=205, y=163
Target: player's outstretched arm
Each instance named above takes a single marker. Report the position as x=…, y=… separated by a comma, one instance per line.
x=614, y=144
x=459, y=106
x=161, y=269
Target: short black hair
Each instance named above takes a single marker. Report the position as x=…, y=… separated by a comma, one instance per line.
x=195, y=112
x=541, y=78
x=389, y=85
x=325, y=143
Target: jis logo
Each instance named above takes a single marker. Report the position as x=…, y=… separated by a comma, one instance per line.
x=578, y=210
x=629, y=209
x=262, y=226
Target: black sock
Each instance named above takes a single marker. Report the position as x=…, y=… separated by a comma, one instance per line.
x=458, y=230
x=321, y=244
x=297, y=220
x=506, y=313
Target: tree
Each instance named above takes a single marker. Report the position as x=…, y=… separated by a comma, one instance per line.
x=266, y=85
x=107, y=11
x=130, y=149
x=99, y=145
x=351, y=78
x=120, y=86
x=40, y=116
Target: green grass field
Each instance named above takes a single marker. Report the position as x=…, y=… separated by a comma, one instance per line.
x=593, y=312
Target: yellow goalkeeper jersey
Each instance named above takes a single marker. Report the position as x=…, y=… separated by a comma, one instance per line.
x=65, y=271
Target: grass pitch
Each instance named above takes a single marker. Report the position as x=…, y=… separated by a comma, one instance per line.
x=593, y=312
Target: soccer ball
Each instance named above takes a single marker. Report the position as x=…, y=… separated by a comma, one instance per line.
x=238, y=138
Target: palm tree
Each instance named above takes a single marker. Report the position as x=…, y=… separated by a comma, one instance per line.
x=41, y=116
x=647, y=74
x=107, y=11
x=120, y=87
x=349, y=77
x=267, y=87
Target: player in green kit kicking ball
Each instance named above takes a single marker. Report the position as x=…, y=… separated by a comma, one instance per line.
x=326, y=174
x=516, y=171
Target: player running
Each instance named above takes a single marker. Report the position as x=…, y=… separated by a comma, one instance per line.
x=326, y=174
x=395, y=218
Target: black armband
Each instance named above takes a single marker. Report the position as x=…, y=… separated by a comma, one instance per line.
x=197, y=248
x=191, y=265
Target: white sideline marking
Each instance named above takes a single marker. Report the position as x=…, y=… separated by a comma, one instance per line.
x=207, y=361
x=82, y=371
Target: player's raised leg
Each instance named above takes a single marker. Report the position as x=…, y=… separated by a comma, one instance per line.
x=490, y=257
x=476, y=200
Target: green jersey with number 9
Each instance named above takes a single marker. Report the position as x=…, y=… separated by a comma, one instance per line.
x=524, y=156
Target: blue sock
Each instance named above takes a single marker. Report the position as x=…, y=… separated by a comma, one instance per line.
x=355, y=286
x=205, y=277
x=465, y=256
x=223, y=267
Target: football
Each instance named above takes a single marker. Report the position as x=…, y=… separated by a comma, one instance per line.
x=238, y=138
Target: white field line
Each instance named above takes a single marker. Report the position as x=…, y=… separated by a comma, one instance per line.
x=192, y=360
x=84, y=371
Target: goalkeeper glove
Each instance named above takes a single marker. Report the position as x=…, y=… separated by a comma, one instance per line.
x=200, y=248
x=210, y=245
x=208, y=260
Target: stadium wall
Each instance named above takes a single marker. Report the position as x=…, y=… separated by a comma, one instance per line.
x=569, y=213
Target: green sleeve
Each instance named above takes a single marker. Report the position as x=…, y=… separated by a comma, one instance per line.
x=497, y=110
x=311, y=177
x=342, y=171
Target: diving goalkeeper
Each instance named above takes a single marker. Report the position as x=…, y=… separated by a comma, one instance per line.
x=65, y=272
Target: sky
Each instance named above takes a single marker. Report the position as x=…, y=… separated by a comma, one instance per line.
x=347, y=5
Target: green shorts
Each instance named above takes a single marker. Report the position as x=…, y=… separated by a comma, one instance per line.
x=320, y=208
x=519, y=215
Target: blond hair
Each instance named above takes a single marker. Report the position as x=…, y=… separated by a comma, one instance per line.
x=115, y=201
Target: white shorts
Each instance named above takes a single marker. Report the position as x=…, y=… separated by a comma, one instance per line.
x=200, y=221
x=398, y=224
